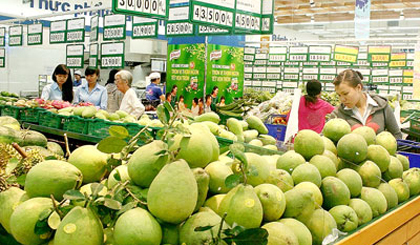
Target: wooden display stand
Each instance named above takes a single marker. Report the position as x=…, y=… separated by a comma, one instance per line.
x=399, y=227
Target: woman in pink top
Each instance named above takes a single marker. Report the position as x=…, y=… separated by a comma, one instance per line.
x=312, y=109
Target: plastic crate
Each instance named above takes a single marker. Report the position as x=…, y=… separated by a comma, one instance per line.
x=50, y=119
x=76, y=124
x=100, y=127
x=415, y=125
x=411, y=149
x=31, y=115
x=413, y=157
x=278, y=131
x=11, y=111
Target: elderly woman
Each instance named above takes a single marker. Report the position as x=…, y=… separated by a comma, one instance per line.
x=130, y=103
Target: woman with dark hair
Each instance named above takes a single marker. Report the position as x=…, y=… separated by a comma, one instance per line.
x=359, y=108
x=62, y=88
x=312, y=109
x=92, y=91
x=115, y=96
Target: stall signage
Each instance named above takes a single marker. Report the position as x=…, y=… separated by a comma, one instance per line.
x=274, y=69
x=144, y=28
x=327, y=74
x=93, y=55
x=277, y=54
x=260, y=62
x=260, y=76
x=2, y=36
x=94, y=28
x=142, y=8
x=58, y=31
x=298, y=54
x=361, y=63
x=2, y=57
x=398, y=60
x=76, y=30
x=408, y=76
x=320, y=53
x=218, y=13
x=114, y=27
x=178, y=24
x=346, y=53
x=248, y=16
x=310, y=73
x=75, y=55
x=112, y=55
x=395, y=76
x=379, y=54
x=15, y=35
x=291, y=73
x=35, y=34
x=380, y=76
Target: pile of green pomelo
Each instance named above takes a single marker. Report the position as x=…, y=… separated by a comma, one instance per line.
x=340, y=180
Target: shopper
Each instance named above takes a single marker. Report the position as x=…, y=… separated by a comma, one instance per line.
x=115, y=96
x=77, y=79
x=195, y=109
x=359, y=108
x=130, y=102
x=61, y=88
x=208, y=103
x=153, y=91
x=92, y=91
x=312, y=109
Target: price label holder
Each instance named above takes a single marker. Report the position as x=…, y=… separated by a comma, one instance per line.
x=156, y=9
x=310, y=74
x=247, y=18
x=380, y=76
x=395, y=76
x=408, y=76
x=35, y=34
x=2, y=36
x=203, y=30
x=291, y=74
x=178, y=24
x=379, y=54
x=15, y=35
x=144, y=28
x=277, y=54
x=327, y=74
x=2, y=57
x=299, y=54
x=76, y=30
x=320, y=53
x=112, y=55
x=398, y=60
x=75, y=55
x=114, y=27
x=58, y=31
x=93, y=55
x=94, y=28
x=217, y=13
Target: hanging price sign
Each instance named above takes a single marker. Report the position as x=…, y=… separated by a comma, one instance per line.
x=142, y=8
x=144, y=28
x=346, y=53
x=327, y=74
x=379, y=54
x=75, y=56
x=58, y=31
x=291, y=74
x=93, y=55
x=76, y=30
x=2, y=36
x=380, y=76
x=35, y=34
x=408, y=76
x=2, y=57
x=219, y=13
x=114, y=27
x=212, y=31
x=179, y=24
x=112, y=55
x=15, y=35
x=398, y=60
x=310, y=74
x=396, y=76
x=94, y=28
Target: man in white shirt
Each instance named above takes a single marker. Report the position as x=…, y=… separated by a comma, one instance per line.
x=130, y=103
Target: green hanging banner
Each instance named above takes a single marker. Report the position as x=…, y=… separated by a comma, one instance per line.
x=15, y=35
x=35, y=34
x=58, y=31
x=2, y=36
x=76, y=30
x=114, y=27
x=2, y=57
x=112, y=55
x=75, y=55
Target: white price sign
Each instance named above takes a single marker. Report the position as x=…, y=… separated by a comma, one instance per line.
x=75, y=50
x=74, y=61
x=246, y=21
x=114, y=33
x=248, y=75
x=211, y=30
x=179, y=28
x=329, y=78
x=75, y=36
x=213, y=16
x=298, y=57
x=146, y=8
x=260, y=76
x=57, y=37
x=76, y=24
x=111, y=61
x=112, y=55
x=249, y=57
x=17, y=40
x=58, y=26
x=273, y=76
x=249, y=50
x=273, y=69
x=277, y=57
x=248, y=83
x=260, y=62
x=290, y=84
x=291, y=76
x=379, y=79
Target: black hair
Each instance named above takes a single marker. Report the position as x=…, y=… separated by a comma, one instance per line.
x=181, y=97
x=91, y=71
x=352, y=77
x=195, y=100
x=67, y=88
x=222, y=98
x=167, y=95
x=214, y=88
x=313, y=89
x=111, y=78
x=173, y=87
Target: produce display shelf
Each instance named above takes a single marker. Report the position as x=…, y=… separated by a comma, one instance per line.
x=400, y=225
x=411, y=133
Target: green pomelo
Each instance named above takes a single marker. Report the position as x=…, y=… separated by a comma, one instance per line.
x=272, y=160
x=329, y=145
x=370, y=173
x=316, y=192
x=388, y=141
x=250, y=135
x=42, y=151
x=170, y=234
x=281, y=178
x=306, y=172
x=87, y=191
x=302, y=233
x=100, y=115
x=379, y=155
x=90, y=161
x=244, y=125
x=332, y=157
x=213, y=141
x=352, y=179
x=390, y=195
x=256, y=142
x=300, y=204
x=10, y=122
x=80, y=226
x=404, y=161
x=214, y=128
x=280, y=234
x=9, y=135
x=256, y=123
x=336, y=128
x=324, y=164
x=234, y=126
x=24, y=219
x=137, y=226
x=9, y=200
x=412, y=178
x=210, y=116
x=145, y=163
x=308, y=143
x=202, y=178
x=52, y=177
x=77, y=111
x=214, y=202
x=122, y=172
x=352, y=147
x=345, y=217
x=258, y=165
x=242, y=207
x=267, y=139
x=271, y=147
x=218, y=172
x=401, y=188
x=30, y=137
x=320, y=223
x=122, y=114
x=273, y=201
x=395, y=170
x=173, y=193
x=228, y=135
x=205, y=217
x=375, y=199
x=362, y=209
x=289, y=161
x=89, y=112
x=335, y=192
x=55, y=148
x=368, y=133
